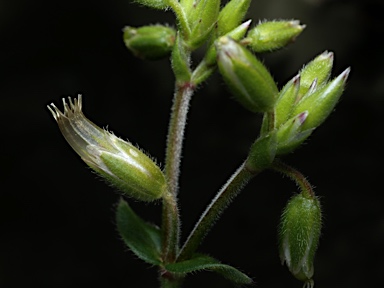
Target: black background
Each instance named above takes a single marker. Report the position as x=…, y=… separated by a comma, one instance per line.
x=57, y=219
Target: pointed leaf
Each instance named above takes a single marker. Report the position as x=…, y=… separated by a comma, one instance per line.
x=203, y=262
x=141, y=237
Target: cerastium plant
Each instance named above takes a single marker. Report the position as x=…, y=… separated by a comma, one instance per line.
x=290, y=114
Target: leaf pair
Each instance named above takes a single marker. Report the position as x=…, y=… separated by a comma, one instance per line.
x=144, y=239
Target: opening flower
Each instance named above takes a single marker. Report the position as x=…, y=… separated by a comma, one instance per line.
x=119, y=162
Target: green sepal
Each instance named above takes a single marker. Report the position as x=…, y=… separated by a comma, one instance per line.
x=187, y=6
x=290, y=135
x=180, y=61
x=142, y=238
x=156, y=4
x=319, y=68
x=231, y=15
x=286, y=100
x=139, y=178
x=202, y=262
x=262, y=152
x=202, y=19
x=321, y=102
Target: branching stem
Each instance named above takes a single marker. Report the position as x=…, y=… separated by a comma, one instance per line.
x=214, y=210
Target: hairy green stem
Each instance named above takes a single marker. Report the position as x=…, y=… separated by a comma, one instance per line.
x=170, y=228
x=214, y=210
x=175, y=137
x=171, y=218
x=305, y=187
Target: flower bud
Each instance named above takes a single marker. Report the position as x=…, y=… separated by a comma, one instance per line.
x=231, y=15
x=272, y=35
x=150, y=42
x=202, y=18
x=117, y=161
x=156, y=4
x=249, y=80
x=321, y=101
x=319, y=68
x=299, y=235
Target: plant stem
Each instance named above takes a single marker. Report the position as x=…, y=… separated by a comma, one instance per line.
x=304, y=185
x=214, y=210
x=171, y=217
x=175, y=137
x=170, y=228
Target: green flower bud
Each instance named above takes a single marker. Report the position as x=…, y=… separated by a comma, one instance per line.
x=231, y=15
x=320, y=101
x=299, y=235
x=117, y=161
x=150, y=42
x=156, y=4
x=202, y=19
x=272, y=35
x=319, y=68
x=248, y=79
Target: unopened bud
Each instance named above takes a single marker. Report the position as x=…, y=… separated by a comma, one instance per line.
x=119, y=162
x=299, y=235
x=272, y=35
x=150, y=42
x=249, y=80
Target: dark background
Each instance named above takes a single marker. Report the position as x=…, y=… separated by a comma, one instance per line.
x=57, y=219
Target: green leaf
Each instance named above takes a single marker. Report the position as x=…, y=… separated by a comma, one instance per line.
x=141, y=237
x=203, y=262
